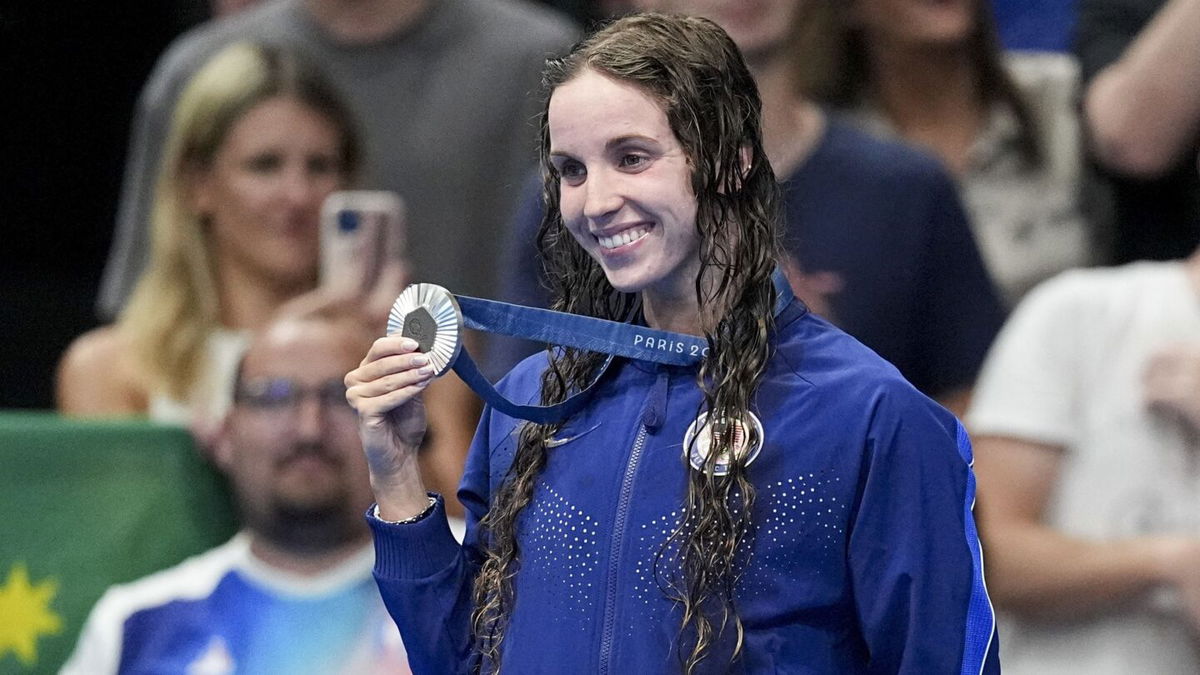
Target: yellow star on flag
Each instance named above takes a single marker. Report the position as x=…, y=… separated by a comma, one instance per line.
x=27, y=614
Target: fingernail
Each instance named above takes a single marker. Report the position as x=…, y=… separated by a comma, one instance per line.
x=420, y=360
x=427, y=370
x=409, y=344
x=424, y=383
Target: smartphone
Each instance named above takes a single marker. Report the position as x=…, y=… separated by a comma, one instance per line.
x=361, y=230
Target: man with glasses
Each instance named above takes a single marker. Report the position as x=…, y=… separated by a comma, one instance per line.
x=293, y=591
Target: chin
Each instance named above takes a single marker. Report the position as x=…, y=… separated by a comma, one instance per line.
x=626, y=283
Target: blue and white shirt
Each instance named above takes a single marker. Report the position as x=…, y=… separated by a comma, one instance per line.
x=226, y=611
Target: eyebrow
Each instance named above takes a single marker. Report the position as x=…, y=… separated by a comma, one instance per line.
x=614, y=143
x=622, y=140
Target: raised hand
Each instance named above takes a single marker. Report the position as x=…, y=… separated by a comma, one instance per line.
x=385, y=391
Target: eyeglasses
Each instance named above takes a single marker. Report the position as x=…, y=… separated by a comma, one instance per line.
x=284, y=395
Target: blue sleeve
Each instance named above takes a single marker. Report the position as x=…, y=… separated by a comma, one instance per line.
x=962, y=311
x=915, y=561
x=425, y=577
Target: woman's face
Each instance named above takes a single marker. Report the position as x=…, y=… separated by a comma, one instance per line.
x=917, y=23
x=263, y=191
x=625, y=185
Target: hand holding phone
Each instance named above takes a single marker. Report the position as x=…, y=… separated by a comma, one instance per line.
x=362, y=235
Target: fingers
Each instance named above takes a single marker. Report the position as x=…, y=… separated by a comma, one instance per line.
x=414, y=371
x=387, y=365
x=375, y=409
x=389, y=345
x=392, y=374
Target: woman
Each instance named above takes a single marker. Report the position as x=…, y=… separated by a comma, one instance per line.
x=881, y=242
x=259, y=140
x=821, y=521
x=933, y=74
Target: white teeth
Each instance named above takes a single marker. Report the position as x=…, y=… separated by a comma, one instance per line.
x=625, y=237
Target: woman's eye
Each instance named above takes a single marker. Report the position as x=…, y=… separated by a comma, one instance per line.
x=321, y=164
x=571, y=170
x=632, y=161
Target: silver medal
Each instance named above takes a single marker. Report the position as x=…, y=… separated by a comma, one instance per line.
x=430, y=315
x=747, y=441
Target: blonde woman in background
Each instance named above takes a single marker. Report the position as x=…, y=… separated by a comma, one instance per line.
x=259, y=139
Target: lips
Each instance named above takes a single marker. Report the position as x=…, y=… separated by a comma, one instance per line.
x=624, y=237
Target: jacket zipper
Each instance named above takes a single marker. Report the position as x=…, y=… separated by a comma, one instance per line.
x=614, y=559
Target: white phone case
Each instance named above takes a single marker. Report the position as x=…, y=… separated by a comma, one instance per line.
x=361, y=230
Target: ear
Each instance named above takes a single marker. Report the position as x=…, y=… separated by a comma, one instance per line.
x=196, y=184
x=220, y=447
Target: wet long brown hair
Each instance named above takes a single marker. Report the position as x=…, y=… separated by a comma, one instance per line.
x=692, y=68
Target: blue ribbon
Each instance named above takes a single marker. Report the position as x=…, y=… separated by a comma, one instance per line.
x=581, y=332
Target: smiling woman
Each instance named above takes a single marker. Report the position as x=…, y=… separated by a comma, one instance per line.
x=259, y=140
x=626, y=195
x=791, y=504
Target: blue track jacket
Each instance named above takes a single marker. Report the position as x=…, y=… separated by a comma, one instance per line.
x=865, y=557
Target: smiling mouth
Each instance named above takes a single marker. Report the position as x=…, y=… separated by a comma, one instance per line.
x=623, y=237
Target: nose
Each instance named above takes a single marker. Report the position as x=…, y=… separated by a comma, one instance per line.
x=602, y=196
x=310, y=419
x=300, y=188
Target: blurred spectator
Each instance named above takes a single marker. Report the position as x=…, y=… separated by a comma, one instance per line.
x=444, y=90
x=932, y=73
x=879, y=240
x=293, y=591
x=1086, y=422
x=1141, y=60
x=259, y=140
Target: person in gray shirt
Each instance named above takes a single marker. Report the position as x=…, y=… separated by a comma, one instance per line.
x=446, y=94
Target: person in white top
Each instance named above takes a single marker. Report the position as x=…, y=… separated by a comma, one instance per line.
x=1086, y=422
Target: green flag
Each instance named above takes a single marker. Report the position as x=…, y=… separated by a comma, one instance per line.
x=86, y=504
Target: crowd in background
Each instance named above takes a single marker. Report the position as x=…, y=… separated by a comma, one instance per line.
x=958, y=177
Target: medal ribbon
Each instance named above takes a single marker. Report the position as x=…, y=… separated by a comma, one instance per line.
x=581, y=332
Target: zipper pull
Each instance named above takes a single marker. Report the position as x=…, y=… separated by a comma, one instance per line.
x=656, y=403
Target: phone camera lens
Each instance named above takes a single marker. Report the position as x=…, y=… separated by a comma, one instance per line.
x=347, y=221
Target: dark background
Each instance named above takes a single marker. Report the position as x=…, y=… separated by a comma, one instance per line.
x=71, y=73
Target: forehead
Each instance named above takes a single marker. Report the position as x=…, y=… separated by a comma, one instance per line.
x=280, y=118
x=595, y=108
x=308, y=351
